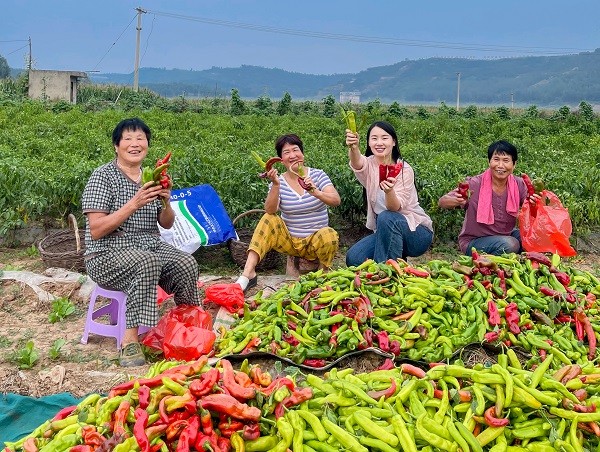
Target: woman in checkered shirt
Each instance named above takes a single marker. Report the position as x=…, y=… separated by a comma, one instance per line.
x=124, y=250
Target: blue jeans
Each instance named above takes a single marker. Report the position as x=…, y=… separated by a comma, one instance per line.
x=497, y=244
x=393, y=239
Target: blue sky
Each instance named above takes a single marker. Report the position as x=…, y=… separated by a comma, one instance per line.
x=308, y=36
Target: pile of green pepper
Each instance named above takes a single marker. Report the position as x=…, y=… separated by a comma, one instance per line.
x=501, y=407
x=531, y=300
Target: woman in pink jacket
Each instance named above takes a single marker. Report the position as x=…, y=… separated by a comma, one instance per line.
x=400, y=226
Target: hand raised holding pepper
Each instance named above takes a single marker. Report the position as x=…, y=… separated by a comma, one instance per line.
x=273, y=176
x=351, y=139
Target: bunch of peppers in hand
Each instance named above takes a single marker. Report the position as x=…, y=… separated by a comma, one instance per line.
x=158, y=174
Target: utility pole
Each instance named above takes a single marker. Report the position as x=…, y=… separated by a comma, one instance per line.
x=30, y=58
x=512, y=100
x=458, y=92
x=136, y=70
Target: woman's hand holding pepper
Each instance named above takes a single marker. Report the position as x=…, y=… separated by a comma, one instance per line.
x=388, y=185
x=273, y=176
x=533, y=199
x=452, y=200
x=145, y=195
x=351, y=139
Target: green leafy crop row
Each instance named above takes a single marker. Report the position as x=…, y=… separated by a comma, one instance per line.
x=47, y=155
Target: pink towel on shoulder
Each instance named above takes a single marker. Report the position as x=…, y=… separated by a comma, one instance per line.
x=485, y=213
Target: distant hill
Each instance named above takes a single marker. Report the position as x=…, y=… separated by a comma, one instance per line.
x=544, y=81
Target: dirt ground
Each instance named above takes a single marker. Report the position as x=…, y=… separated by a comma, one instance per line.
x=92, y=367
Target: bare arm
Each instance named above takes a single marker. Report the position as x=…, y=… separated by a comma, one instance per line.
x=452, y=200
x=272, y=201
x=328, y=195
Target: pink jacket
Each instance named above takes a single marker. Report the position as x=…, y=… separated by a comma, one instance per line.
x=405, y=189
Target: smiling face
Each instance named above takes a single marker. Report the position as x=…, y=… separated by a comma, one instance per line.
x=132, y=147
x=381, y=144
x=291, y=154
x=502, y=166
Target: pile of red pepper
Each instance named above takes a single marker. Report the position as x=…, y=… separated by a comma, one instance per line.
x=189, y=406
x=386, y=171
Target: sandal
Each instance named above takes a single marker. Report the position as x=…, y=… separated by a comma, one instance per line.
x=132, y=355
x=247, y=284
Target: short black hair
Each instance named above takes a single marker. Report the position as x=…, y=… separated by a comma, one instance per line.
x=131, y=124
x=502, y=147
x=290, y=138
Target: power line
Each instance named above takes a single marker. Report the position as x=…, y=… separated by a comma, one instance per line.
x=375, y=40
x=113, y=44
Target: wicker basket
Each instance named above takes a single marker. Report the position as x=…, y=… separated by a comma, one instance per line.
x=239, y=248
x=64, y=249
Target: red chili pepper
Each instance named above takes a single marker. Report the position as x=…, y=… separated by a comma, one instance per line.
x=175, y=428
x=550, y=292
x=528, y=184
x=314, y=362
x=389, y=392
x=205, y=384
x=251, y=431
x=492, y=336
x=579, y=329
x=542, y=354
x=224, y=403
x=383, y=341
x=395, y=347
x=120, y=417
x=277, y=384
x=65, y=412
x=223, y=444
x=511, y=312
x=139, y=429
x=540, y=258
x=416, y=272
x=463, y=189
x=564, y=318
x=91, y=436
x=375, y=282
x=188, y=435
x=502, y=277
x=388, y=364
x=412, y=370
x=493, y=313
x=79, y=448
x=296, y=398
x=206, y=421
x=368, y=335
x=386, y=171
x=463, y=396
x=563, y=278
x=290, y=340
x=259, y=377
x=153, y=382
x=143, y=397
x=589, y=331
x=492, y=421
x=164, y=160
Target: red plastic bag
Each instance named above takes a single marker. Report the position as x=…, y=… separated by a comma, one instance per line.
x=183, y=333
x=546, y=226
x=231, y=296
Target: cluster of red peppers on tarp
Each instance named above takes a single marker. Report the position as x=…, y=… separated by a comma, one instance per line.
x=197, y=407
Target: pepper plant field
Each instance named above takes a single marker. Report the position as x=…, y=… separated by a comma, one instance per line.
x=47, y=155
